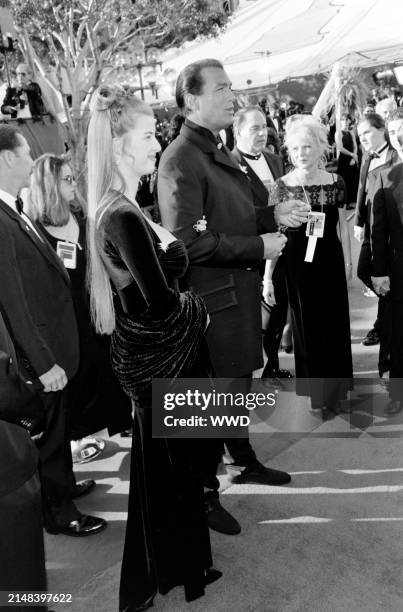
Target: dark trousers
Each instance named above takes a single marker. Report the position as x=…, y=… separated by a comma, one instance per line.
x=55, y=463
x=22, y=555
x=277, y=320
x=240, y=449
x=396, y=351
x=382, y=324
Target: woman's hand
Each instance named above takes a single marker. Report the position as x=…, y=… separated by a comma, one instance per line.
x=268, y=293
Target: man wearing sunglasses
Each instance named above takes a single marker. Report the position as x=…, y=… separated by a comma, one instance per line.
x=25, y=99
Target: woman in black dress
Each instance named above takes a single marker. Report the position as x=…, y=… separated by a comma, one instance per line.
x=317, y=281
x=347, y=163
x=95, y=399
x=156, y=332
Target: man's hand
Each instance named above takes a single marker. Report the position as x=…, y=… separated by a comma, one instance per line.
x=54, y=379
x=381, y=284
x=273, y=244
x=292, y=213
x=358, y=233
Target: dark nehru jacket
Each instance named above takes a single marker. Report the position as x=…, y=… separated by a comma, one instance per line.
x=198, y=177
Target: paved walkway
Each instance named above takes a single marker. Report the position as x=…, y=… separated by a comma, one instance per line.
x=328, y=542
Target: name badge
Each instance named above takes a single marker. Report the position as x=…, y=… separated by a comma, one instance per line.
x=316, y=224
x=67, y=251
x=315, y=228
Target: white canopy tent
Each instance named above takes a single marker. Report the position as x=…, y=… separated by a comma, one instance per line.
x=272, y=40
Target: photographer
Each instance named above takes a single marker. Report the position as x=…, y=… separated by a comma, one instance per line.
x=25, y=100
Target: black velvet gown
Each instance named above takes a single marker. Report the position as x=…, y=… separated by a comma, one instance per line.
x=319, y=300
x=159, y=333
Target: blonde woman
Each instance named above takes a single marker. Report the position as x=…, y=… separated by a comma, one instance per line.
x=156, y=332
x=94, y=390
x=318, y=265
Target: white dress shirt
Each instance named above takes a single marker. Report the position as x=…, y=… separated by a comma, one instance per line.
x=261, y=168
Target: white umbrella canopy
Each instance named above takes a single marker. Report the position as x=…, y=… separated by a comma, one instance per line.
x=272, y=40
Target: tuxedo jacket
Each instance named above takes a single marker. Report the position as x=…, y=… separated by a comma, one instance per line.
x=196, y=178
x=276, y=165
x=35, y=298
x=387, y=227
x=365, y=194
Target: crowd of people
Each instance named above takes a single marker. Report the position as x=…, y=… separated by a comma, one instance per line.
x=96, y=303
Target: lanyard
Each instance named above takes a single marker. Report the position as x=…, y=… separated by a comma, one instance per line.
x=321, y=197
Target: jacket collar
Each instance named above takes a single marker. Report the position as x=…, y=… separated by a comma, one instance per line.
x=208, y=143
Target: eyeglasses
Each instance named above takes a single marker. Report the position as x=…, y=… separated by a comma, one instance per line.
x=21, y=73
x=69, y=179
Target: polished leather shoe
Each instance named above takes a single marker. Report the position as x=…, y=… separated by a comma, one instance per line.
x=220, y=519
x=86, y=525
x=256, y=473
x=83, y=487
x=278, y=374
x=371, y=338
x=393, y=407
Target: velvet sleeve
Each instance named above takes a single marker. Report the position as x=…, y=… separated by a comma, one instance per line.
x=131, y=237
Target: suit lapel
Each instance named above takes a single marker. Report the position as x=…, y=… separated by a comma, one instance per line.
x=221, y=155
x=398, y=190
x=256, y=184
x=43, y=247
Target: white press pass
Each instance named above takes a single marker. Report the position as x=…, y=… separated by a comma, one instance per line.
x=67, y=252
x=315, y=228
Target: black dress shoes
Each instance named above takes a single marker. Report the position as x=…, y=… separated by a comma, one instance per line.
x=371, y=338
x=86, y=525
x=220, y=520
x=256, y=473
x=393, y=407
x=83, y=487
x=277, y=374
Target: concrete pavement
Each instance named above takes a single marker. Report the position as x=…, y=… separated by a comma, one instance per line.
x=328, y=542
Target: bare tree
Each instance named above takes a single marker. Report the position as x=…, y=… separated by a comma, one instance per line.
x=80, y=39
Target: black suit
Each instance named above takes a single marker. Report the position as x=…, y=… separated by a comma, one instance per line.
x=198, y=176
x=36, y=301
x=387, y=260
x=278, y=313
x=363, y=215
x=22, y=556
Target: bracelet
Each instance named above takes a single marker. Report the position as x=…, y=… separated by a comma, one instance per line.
x=349, y=265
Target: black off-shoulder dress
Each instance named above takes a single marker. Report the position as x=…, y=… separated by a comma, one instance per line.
x=318, y=299
x=159, y=333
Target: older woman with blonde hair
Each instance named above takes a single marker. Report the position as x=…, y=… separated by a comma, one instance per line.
x=318, y=265
x=53, y=204
x=157, y=332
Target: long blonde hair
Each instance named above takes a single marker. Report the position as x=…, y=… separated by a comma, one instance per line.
x=114, y=112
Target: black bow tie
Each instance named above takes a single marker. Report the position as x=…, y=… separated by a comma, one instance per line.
x=249, y=156
x=19, y=204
